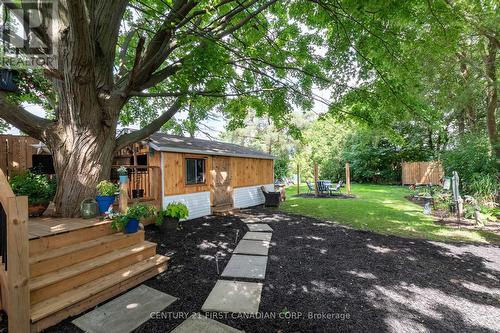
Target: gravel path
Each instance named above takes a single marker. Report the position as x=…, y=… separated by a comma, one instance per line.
x=322, y=277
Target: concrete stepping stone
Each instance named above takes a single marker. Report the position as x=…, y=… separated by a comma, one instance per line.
x=234, y=296
x=243, y=266
x=200, y=323
x=255, y=247
x=125, y=313
x=251, y=219
x=259, y=227
x=253, y=235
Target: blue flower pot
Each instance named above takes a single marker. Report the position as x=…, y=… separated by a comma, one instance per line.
x=132, y=226
x=123, y=179
x=104, y=201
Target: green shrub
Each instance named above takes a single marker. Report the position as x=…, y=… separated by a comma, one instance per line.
x=107, y=188
x=483, y=187
x=38, y=188
x=176, y=210
x=469, y=156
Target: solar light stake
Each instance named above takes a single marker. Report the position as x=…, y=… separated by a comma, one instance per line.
x=237, y=234
x=217, y=262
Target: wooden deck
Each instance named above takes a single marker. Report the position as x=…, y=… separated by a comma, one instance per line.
x=47, y=226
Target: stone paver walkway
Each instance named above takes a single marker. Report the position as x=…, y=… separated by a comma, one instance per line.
x=234, y=296
x=198, y=323
x=253, y=247
x=259, y=227
x=125, y=313
x=249, y=261
x=252, y=235
x=243, y=266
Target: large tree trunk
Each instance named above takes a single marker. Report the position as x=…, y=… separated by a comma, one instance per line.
x=81, y=160
x=492, y=97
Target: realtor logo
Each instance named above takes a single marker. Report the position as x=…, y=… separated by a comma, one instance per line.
x=27, y=30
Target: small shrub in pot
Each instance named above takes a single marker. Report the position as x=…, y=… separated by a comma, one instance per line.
x=129, y=222
x=107, y=191
x=169, y=218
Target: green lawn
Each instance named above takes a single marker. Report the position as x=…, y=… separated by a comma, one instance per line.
x=382, y=209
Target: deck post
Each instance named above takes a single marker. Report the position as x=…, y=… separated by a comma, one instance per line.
x=18, y=264
x=123, y=197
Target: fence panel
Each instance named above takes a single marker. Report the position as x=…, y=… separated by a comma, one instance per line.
x=420, y=173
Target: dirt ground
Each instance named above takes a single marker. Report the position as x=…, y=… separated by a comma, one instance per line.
x=322, y=277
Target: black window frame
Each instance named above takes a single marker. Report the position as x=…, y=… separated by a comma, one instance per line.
x=204, y=171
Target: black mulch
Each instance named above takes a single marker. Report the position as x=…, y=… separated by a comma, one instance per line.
x=365, y=282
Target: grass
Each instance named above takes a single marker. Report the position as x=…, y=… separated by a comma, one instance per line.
x=382, y=209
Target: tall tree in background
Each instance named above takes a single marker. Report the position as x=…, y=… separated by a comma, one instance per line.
x=112, y=54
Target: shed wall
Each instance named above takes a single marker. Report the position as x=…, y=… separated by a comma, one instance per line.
x=249, y=196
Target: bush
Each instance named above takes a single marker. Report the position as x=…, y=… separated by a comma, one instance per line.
x=470, y=155
x=281, y=166
x=38, y=188
x=484, y=188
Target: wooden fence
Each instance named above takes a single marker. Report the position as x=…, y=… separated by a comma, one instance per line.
x=419, y=173
x=16, y=153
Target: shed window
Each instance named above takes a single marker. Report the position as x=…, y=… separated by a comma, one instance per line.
x=195, y=171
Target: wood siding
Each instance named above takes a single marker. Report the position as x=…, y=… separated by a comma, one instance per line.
x=422, y=173
x=174, y=169
x=251, y=171
x=244, y=172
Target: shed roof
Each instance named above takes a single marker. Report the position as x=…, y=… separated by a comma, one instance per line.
x=180, y=144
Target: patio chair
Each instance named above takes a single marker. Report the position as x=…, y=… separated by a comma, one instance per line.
x=272, y=199
x=337, y=187
x=310, y=187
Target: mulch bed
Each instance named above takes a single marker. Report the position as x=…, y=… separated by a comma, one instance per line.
x=443, y=217
x=325, y=195
x=349, y=280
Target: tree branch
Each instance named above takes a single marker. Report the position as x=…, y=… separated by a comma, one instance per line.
x=25, y=121
x=200, y=93
x=126, y=139
x=245, y=20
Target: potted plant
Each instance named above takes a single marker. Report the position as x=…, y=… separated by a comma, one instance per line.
x=40, y=190
x=129, y=222
x=107, y=191
x=169, y=218
x=123, y=174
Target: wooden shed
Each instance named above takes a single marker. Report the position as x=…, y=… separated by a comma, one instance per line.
x=210, y=176
x=206, y=175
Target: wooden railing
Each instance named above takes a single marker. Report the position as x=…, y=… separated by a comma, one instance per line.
x=142, y=177
x=14, y=279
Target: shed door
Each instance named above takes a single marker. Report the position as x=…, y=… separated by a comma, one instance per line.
x=222, y=181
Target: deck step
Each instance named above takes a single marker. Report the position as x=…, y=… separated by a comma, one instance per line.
x=54, y=283
x=53, y=310
x=63, y=239
x=59, y=258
